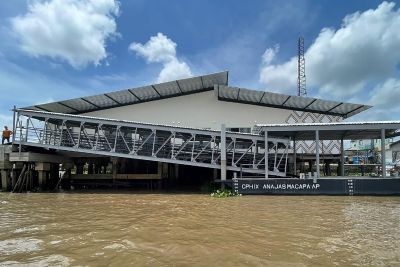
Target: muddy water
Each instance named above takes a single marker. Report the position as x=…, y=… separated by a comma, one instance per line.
x=197, y=230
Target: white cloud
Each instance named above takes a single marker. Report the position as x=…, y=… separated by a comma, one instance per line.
x=75, y=31
x=161, y=49
x=343, y=62
x=385, y=100
x=280, y=78
x=269, y=55
x=174, y=70
x=6, y=120
x=158, y=49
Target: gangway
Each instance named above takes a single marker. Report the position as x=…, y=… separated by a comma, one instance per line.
x=153, y=142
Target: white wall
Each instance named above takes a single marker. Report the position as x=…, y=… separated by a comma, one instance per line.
x=200, y=110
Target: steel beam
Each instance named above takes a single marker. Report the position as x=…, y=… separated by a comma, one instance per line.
x=195, y=147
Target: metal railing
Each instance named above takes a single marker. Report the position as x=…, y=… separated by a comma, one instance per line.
x=180, y=145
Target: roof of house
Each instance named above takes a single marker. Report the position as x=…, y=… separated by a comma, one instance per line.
x=217, y=81
x=300, y=103
x=135, y=95
x=395, y=143
x=334, y=130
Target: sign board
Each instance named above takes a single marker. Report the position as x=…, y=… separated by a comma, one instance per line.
x=322, y=186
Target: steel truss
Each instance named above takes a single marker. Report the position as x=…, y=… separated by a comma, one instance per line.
x=187, y=146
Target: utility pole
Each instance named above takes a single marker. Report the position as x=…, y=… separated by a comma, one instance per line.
x=301, y=69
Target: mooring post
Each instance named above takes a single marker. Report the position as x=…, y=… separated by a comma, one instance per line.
x=223, y=155
x=383, y=158
x=317, y=151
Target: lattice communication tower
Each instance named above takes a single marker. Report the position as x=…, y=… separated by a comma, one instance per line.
x=301, y=69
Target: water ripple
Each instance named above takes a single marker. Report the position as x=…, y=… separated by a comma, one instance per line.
x=176, y=230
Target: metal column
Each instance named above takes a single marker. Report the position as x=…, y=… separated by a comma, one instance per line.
x=266, y=154
x=294, y=157
x=317, y=151
x=194, y=147
x=341, y=157
x=223, y=152
x=14, y=127
x=383, y=158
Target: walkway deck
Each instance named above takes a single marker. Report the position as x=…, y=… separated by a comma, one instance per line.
x=162, y=143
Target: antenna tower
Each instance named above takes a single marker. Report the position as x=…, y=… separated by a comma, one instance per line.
x=301, y=69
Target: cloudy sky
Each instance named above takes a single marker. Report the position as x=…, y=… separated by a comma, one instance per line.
x=59, y=49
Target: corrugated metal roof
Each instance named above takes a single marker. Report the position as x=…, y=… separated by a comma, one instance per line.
x=334, y=130
x=217, y=81
x=135, y=95
x=300, y=103
x=343, y=123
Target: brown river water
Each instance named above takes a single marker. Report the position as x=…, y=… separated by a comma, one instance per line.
x=115, y=229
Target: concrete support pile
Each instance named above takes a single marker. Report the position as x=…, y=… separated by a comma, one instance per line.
x=5, y=168
x=43, y=170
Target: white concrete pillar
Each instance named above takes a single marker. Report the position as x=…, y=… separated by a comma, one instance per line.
x=43, y=169
x=42, y=178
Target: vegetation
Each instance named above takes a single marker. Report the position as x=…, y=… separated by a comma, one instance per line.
x=224, y=193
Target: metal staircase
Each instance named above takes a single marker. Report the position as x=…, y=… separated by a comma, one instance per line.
x=180, y=145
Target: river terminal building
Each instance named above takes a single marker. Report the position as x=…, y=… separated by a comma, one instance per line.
x=185, y=134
